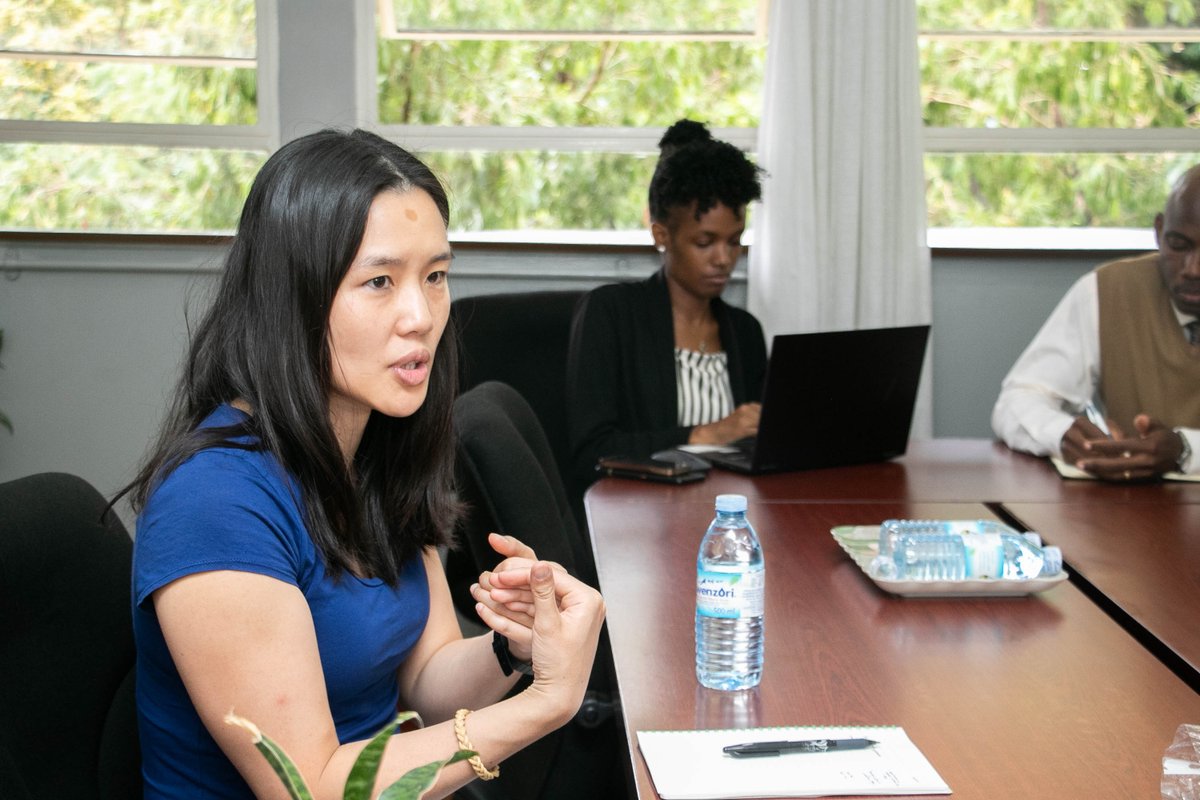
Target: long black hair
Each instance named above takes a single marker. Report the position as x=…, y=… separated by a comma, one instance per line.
x=693, y=167
x=264, y=340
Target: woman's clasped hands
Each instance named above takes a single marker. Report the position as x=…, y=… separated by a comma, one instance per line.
x=548, y=616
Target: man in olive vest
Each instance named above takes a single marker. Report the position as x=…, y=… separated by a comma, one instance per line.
x=1125, y=338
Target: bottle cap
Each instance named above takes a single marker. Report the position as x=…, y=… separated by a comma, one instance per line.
x=731, y=503
x=1051, y=560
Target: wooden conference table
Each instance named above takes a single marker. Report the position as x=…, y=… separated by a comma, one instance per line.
x=1140, y=562
x=952, y=470
x=1040, y=696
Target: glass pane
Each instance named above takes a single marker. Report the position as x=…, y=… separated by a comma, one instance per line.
x=637, y=84
x=1060, y=190
x=223, y=28
x=126, y=189
x=1024, y=15
x=72, y=91
x=568, y=15
x=1058, y=84
x=530, y=190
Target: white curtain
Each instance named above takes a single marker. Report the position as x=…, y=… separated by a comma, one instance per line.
x=839, y=240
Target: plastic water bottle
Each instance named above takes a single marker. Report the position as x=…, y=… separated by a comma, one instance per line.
x=949, y=550
x=892, y=529
x=729, y=600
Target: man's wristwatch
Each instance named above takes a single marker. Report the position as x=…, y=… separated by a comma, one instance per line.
x=1185, y=454
x=508, y=662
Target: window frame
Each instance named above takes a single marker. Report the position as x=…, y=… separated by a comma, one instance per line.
x=263, y=136
x=502, y=138
x=1063, y=140
x=385, y=10
x=937, y=140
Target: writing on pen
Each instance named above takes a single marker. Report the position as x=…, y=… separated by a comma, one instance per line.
x=1096, y=418
x=756, y=749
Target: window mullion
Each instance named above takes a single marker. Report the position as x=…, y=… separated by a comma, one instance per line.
x=235, y=137
x=497, y=138
x=266, y=21
x=1064, y=140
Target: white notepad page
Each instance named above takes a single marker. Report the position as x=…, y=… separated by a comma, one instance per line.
x=690, y=765
x=1071, y=471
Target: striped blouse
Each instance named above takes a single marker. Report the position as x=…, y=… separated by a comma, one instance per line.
x=702, y=389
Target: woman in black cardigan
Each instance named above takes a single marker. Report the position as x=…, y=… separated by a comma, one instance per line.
x=665, y=361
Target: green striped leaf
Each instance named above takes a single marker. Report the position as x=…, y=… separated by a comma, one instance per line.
x=361, y=779
x=411, y=786
x=417, y=781
x=279, y=761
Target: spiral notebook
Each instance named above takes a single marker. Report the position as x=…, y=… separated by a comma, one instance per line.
x=690, y=765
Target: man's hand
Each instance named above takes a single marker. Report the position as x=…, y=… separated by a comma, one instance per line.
x=1164, y=445
x=1076, y=444
x=1152, y=450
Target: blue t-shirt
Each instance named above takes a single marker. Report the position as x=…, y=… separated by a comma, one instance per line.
x=230, y=509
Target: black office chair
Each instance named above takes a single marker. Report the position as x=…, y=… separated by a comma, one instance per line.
x=508, y=478
x=521, y=338
x=68, y=724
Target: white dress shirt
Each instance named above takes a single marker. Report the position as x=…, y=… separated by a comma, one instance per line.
x=1058, y=374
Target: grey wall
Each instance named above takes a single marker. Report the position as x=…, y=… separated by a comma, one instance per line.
x=986, y=308
x=94, y=331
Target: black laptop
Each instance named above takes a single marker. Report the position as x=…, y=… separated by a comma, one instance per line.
x=834, y=398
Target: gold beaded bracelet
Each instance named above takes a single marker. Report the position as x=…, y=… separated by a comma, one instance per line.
x=460, y=733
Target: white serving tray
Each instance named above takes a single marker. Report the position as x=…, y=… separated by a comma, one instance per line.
x=861, y=543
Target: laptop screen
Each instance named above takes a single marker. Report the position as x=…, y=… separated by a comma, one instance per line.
x=839, y=397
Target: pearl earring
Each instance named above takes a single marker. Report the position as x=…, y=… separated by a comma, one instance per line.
x=662, y=248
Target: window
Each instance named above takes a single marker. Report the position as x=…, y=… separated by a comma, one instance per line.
x=131, y=114
x=1071, y=113
x=546, y=115
x=1074, y=113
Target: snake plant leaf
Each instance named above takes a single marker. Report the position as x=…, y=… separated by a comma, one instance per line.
x=361, y=779
x=279, y=761
x=411, y=786
x=414, y=783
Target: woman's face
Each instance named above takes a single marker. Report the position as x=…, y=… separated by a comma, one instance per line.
x=699, y=254
x=389, y=311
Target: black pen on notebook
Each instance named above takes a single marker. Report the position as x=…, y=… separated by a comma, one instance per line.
x=756, y=749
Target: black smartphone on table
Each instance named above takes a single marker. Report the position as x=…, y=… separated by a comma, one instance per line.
x=650, y=469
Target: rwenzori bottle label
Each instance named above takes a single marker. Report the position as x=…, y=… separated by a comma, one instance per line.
x=730, y=595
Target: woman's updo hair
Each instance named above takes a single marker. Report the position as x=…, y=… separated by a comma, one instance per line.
x=693, y=167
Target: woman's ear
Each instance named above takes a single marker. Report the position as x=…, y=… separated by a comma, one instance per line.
x=660, y=234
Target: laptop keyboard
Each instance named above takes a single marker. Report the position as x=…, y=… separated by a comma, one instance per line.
x=741, y=458
x=744, y=446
